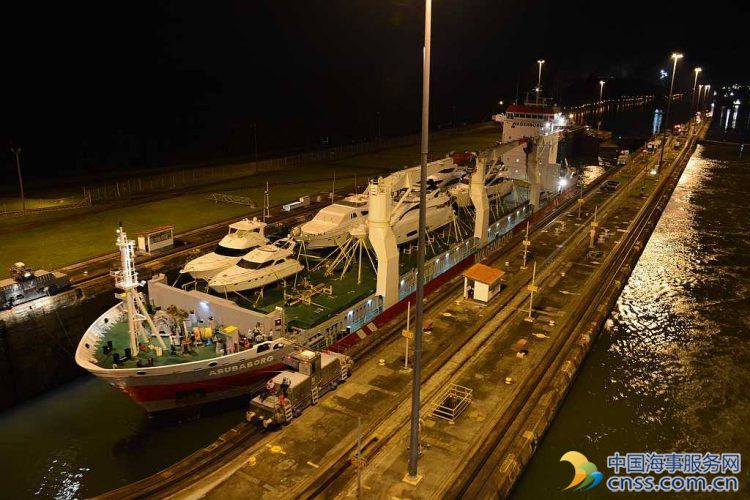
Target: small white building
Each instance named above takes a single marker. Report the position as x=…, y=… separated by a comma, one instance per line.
x=482, y=283
x=156, y=238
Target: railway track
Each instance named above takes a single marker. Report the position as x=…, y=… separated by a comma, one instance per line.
x=230, y=445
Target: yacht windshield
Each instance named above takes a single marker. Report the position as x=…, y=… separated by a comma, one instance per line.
x=230, y=252
x=246, y=264
x=329, y=217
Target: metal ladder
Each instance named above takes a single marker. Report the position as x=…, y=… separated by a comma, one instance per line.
x=288, y=410
x=315, y=394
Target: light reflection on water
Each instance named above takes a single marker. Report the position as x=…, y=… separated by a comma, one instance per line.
x=86, y=438
x=672, y=372
x=61, y=480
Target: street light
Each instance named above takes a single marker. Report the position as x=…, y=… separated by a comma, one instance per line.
x=706, y=88
x=539, y=79
x=412, y=476
x=601, y=89
x=695, y=82
x=676, y=57
x=17, y=153
x=700, y=96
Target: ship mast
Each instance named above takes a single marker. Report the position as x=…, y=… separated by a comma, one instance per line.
x=126, y=279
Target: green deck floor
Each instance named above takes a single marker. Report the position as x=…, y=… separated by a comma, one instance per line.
x=345, y=290
x=120, y=338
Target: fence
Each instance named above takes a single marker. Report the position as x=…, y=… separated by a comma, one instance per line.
x=69, y=203
x=168, y=181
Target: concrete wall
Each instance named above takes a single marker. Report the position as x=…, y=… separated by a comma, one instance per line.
x=481, y=291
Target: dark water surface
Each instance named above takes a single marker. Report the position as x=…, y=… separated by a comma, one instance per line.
x=673, y=371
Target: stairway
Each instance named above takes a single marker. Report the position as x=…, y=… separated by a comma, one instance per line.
x=288, y=410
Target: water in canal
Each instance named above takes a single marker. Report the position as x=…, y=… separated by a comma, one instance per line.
x=85, y=438
x=673, y=372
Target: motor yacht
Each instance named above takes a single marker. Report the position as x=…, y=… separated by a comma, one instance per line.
x=405, y=214
x=243, y=237
x=331, y=225
x=263, y=266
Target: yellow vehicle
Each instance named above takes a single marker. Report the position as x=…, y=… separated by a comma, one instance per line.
x=308, y=376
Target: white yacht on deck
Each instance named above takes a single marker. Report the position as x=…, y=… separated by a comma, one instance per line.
x=496, y=184
x=331, y=225
x=447, y=176
x=405, y=216
x=263, y=266
x=243, y=237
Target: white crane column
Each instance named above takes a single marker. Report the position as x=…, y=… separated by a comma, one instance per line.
x=535, y=165
x=383, y=241
x=478, y=194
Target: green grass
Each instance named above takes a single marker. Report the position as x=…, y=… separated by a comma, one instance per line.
x=13, y=203
x=61, y=238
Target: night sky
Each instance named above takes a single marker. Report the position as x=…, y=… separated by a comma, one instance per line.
x=144, y=84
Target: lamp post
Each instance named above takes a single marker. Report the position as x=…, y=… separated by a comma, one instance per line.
x=17, y=153
x=676, y=57
x=700, y=96
x=539, y=79
x=601, y=90
x=706, y=88
x=695, y=82
x=413, y=476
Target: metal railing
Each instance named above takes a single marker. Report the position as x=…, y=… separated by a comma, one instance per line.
x=451, y=402
x=231, y=198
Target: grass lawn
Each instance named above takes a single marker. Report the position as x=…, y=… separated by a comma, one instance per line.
x=13, y=203
x=62, y=238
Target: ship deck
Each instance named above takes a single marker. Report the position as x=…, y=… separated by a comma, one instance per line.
x=118, y=334
x=345, y=289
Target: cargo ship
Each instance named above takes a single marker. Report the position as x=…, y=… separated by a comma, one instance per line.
x=173, y=347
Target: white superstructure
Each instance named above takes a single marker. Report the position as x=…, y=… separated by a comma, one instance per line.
x=536, y=161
